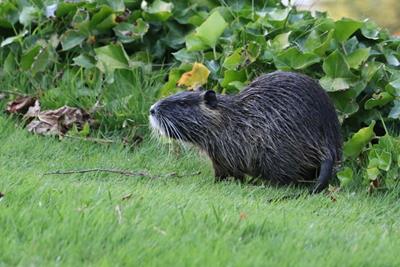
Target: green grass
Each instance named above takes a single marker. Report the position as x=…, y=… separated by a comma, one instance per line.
x=83, y=220
x=122, y=107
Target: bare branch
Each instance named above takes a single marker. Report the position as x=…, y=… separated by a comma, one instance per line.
x=122, y=172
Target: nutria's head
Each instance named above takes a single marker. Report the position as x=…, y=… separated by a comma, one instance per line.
x=186, y=116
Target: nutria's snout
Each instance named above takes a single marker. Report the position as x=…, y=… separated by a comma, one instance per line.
x=154, y=121
x=153, y=109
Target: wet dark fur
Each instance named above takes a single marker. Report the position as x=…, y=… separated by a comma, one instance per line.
x=280, y=128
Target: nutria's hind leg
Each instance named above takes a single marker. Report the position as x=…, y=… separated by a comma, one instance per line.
x=220, y=173
x=325, y=175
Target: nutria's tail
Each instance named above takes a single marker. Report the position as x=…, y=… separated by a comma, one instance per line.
x=325, y=174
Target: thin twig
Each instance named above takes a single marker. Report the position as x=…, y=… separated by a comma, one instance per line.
x=94, y=140
x=122, y=172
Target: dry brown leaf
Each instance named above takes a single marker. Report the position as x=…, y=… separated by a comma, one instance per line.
x=242, y=216
x=194, y=78
x=373, y=186
x=33, y=111
x=21, y=104
x=56, y=122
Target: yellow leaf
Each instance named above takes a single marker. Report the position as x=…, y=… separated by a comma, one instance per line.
x=196, y=77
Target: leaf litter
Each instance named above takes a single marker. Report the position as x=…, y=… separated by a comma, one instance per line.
x=55, y=122
x=20, y=105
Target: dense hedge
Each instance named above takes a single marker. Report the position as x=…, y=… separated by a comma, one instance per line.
x=356, y=62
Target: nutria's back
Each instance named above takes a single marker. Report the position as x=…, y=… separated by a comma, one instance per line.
x=282, y=127
x=301, y=124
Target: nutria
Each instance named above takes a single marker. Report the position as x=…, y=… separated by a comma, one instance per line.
x=282, y=127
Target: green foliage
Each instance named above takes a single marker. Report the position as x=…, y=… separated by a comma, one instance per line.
x=356, y=62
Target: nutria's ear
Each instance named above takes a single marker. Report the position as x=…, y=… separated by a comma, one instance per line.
x=210, y=98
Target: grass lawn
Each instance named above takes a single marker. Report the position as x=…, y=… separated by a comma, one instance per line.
x=99, y=219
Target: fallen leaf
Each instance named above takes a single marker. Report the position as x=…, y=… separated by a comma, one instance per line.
x=194, y=78
x=242, y=216
x=373, y=185
x=21, y=104
x=33, y=111
x=333, y=192
x=56, y=122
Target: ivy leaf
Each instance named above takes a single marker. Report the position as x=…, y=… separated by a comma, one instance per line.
x=84, y=61
x=338, y=75
x=158, y=11
x=13, y=39
x=116, y=5
x=280, y=42
x=336, y=66
x=28, y=57
x=234, y=60
x=27, y=15
x=277, y=14
x=395, y=111
x=108, y=23
x=378, y=100
x=370, y=70
x=345, y=27
x=170, y=87
x=370, y=30
x=345, y=176
x=185, y=56
x=353, y=147
x=345, y=101
x=357, y=57
x=111, y=57
x=379, y=158
x=9, y=63
x=128, y=32
x=392, y=59
x=42, y=60
x=66, y=8
x=373, y=173
x=252, y=52
x=316, y=44
x=292, y=58
x=211, y=29
x=196, y=77
x=393, y=87
x=194, y=43
x=335, y=84
x=231, y=77
x=71, y=38
x=100, y=16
